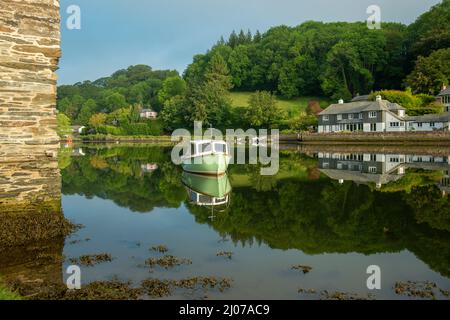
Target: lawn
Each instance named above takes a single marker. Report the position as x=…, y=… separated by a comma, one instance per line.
x=292, y=106
x=7, y=295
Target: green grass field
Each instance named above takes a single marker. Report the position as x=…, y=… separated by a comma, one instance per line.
x=7, y=295
x=292, y=106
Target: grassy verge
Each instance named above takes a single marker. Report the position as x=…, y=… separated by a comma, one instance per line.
x=111, y=138
x=5, y=294
x=292, y=106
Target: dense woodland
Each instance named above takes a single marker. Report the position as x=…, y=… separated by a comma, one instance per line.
x=330, y=60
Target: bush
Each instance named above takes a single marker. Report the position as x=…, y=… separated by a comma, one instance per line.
x=106, y=129
x=414, y=104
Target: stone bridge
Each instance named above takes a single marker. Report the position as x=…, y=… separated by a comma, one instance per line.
x=29, y=54
x=30, y=181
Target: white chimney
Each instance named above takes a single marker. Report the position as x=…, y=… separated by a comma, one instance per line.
x=341, y=101
x=378, y=98
x=444, y=87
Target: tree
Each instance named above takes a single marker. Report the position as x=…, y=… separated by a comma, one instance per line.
x=173, y=113
x=430, y=73
x=171, y=87
x=262, y=110
x=63, y=125
x=209, y=101
x=86, y=112
x=115, y=101
x=430, y=31
x=119, y=116
x=97, y=120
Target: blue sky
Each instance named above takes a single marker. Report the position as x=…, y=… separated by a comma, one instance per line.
x=165, y=34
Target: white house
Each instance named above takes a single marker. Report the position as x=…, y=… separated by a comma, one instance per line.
x=379, y=116
x=148, y=114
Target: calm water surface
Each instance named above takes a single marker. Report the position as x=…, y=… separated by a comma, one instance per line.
x=335, y=212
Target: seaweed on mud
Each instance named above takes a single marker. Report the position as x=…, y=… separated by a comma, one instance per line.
x=416, y=289
x=338, y=295
x=160, y=248
x=302, y=268
x=167, y=262
x=91, y=260
x=157, y=288
x=225, y=254
x=98, y=290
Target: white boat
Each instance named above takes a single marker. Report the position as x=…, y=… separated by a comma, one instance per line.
x=210, y=157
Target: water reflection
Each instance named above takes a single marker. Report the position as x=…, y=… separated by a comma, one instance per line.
x=321, y=205
x=207, y=190
x=381, y=169
x=32, y=225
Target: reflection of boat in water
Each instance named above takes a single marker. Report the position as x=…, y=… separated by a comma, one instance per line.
x=207, y=190
x=207, y=157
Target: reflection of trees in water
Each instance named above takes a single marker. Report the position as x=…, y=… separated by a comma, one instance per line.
x=324, y=216
x=290, y=210
x=116, y=174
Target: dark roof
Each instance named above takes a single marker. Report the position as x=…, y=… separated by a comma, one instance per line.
x=438, y=117
x=359, y=106
x=361, y=98
x=444, y=92
x=147, y=110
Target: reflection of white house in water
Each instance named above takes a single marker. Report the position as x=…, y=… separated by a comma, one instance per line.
x=78, y=152
x=376, y=168
x=149, y=167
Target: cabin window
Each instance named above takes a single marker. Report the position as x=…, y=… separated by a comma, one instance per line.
x=205, y=199
x=219, y=147
x=206, y=147
x=193, y=151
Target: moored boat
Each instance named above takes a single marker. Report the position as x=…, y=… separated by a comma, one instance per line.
x=209, y=157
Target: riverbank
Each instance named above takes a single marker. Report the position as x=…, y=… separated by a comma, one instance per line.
x=367, y=138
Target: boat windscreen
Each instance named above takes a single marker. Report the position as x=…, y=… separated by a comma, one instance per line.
x=220, y=147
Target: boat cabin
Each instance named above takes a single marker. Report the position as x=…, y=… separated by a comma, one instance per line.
x=205, y=147
x=201, y=199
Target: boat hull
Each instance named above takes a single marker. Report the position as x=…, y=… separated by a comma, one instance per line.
x=217, y=187
x=213, y=164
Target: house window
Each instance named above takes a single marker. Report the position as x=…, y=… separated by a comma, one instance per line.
x=394, y=124
x=373, y=157
x=432, y=124
x=360, y=116
x=326, y=118
x=402, y=124
x=339, y=116
x=419, y=124
x=372, y=114
x=373, y=169
x=373, y=127
x=350, y=116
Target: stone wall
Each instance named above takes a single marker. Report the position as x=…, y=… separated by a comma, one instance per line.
x=29, y=54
